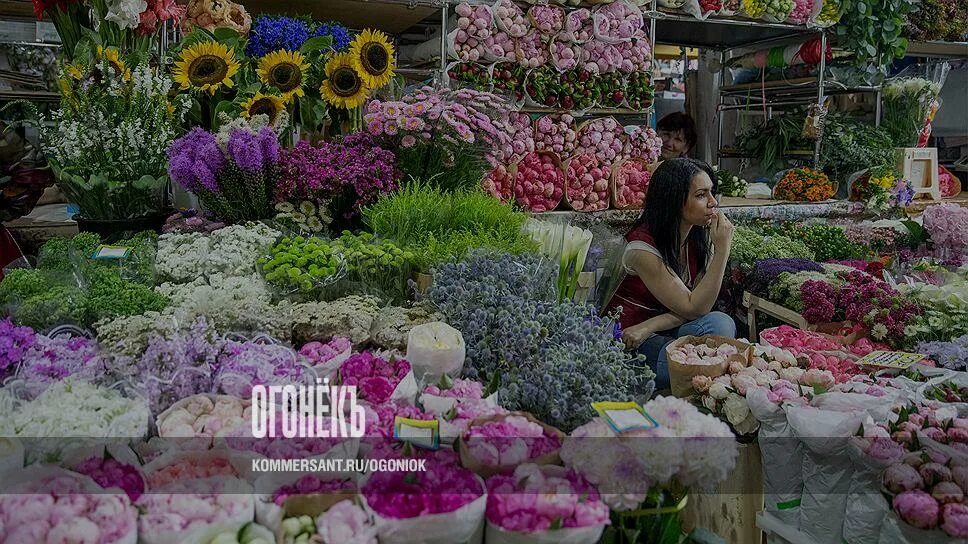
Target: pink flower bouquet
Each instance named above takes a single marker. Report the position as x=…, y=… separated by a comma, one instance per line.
x=521, y=129
x=618, y=21
x=110, y=473
x=530, y=50
x=555, y=133
x=631, y=182
x=603, y=137
x=446, y=503
x=327, y=355
x=546, y=499
x=540, y=182
x=192, y=507
x=500, y=443
x=499, y=47
x=601, y=57
x=499, y=182
x=510, y=18
x=186, y=467
x=587, y=182
x=346, y=522
x=802, y=11
x=565, y=55
x=279, y=447
x=377, y=379
x=548, y=19
x=203, y=418
x=643, y=143
x=473, y=27
x=53, y=505
x=579, y=26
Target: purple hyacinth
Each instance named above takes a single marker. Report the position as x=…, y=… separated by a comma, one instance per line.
x=194, y=161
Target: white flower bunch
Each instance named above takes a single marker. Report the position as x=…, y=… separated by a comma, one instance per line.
x=181, y=256
x=229, y=124
x=231, y=251
x=126, y=13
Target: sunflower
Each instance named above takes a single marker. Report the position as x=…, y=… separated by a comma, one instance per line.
x=263, y=104
x=285, y=71
x=205, y=66
x=343, y=88
x=113, y=58
x=372, y=55
x=74, y=71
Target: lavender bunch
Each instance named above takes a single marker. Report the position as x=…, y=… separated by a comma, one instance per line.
x=550, y=359
x=765, y=272
x=951, y=355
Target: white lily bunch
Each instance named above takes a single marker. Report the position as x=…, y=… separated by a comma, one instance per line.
x=566, y=243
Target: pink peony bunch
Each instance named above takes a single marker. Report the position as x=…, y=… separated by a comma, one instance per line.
x=463, y=413
x=499, y=47
x=586, y=182
x=841, y=369
x=943, y=508
x=538, y=499
x=345, y=522
x=459, y=389
x=319, y=353
x=602, y=58
x=61, y=508
x=202, y=419
x=520, y=130
x=540, y=182
x=194, y=505
x=901, y=477
x=643, y=143
x=280, y=447
x=473, y=27
x=917, y=508
x=531, y=51
x=499, y=183
x=631, y=183
x=618, y=21
x=510, y=18
x=702, y=354
x=508, y=441
x=566, y=55
x=638, y=54
x=783, y=391
x=191, y=468
x=109, y=473
x=310, y=484
x=579, y=26
x=375, y=377
x=547, y=19
x=603, y=137
x=440, y=489
x=802, y=9
x=555, y=133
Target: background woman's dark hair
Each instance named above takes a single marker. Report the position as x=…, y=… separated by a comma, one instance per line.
x=676, y=121
x=668, y=191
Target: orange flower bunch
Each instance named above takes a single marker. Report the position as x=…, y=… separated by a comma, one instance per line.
x=803, y=184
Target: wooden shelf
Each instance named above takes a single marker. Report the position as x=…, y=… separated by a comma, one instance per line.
x=938, y=49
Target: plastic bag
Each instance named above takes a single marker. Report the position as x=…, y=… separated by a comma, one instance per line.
x=576, y=535
x=782, y=459
x=435, y=349
x=895, y=530
x=866, y=506
x=464, y=525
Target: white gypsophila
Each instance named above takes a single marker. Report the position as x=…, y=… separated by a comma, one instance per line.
x=181, y=256
x=235, y=249
x=126, y=13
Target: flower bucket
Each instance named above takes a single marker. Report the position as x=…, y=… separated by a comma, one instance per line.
x=468, y=461
x=681, y=374
x=116, y=229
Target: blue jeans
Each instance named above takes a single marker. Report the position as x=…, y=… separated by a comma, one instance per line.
x=715, y=323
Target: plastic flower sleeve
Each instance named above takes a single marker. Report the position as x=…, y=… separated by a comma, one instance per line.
x=435, y=349
x=509, y=18
x=548, y=19
x=564, y=54
x=324, y=489
x=579, y=26
x=171, y=517
x=865, y=511
x=782, y=458
x=530, y=50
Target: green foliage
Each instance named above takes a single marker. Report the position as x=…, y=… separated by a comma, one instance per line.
x=770, y=140
x=750, y=246
x=456, y=245
x=872, y=29
x=850, y=145
x=827, y=242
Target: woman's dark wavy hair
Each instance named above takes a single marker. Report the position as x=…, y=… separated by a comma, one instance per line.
x=668, y=190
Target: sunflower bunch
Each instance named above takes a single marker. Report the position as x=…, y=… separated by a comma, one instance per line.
x=352, y=76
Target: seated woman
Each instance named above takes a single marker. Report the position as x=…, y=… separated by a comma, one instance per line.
x=674, y=263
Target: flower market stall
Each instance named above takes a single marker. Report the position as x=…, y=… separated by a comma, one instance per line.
x=344, y=276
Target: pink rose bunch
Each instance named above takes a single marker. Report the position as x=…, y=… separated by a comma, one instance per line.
x=547, y=19
x=555, y=133
x=510, y=18
x=509, y=441
x=499, y=183
x=459, y=389
x=618, y=21
x=473, y=27
x=530, y=50
x=311, y=485
x=440, y=489
x=798, y=341
x=540, y=498
x=702, y=354
x=565, y=54
x=643, y=143
x=802, y=9
x=195, y=504
x=540, y=182
x=579, y=25
x=841, y=369
x=319, y=353
x=631, y=183
x=191, y=468
x=375, y=377
x=602, y=58
x=109, y=473
x=603, y=137
x=62, y=509
x=500, y=46
x=586, y=182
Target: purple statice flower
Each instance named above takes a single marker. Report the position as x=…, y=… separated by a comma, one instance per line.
x=951, y=355
x=270, y=34
x=766, y=271
x=242, y=365
x=51, y=360
x=194, y=161
x=15, y=342
x=245, y=149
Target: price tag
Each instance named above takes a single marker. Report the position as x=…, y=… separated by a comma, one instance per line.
x=111, y=252
x=890, y=359
x=421, y=433
x=624, y=416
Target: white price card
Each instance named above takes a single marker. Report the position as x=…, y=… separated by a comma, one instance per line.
x=625, y=416
x=890, y=359
x=421, y=433
x=111, y=252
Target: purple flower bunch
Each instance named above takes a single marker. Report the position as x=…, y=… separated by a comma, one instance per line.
x=817, y=297
x=375, y=377
x=881, y=308
x=309, y=485
x=356, y=170
x=110, y=473
x=235, y=179
x=948, y=226
x=951, y=355
x=14, y=343
x=766, y=271
x=242, y=365
x=50, y=360
x=440, y=489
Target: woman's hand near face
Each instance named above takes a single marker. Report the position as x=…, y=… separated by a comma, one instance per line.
x=721, y=231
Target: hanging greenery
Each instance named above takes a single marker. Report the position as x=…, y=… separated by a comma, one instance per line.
x=872, y=29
